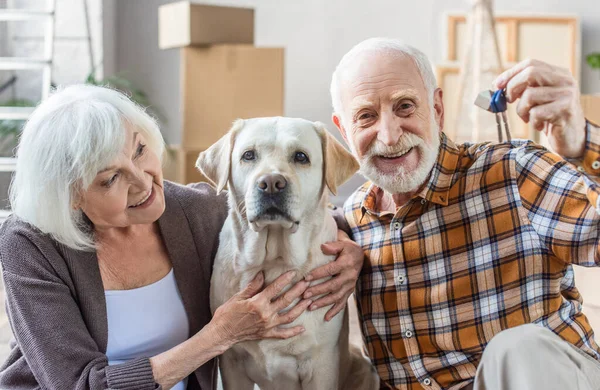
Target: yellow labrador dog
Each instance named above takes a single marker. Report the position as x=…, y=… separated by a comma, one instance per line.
x=277, y=171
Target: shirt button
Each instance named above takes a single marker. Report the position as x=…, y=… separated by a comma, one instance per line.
x=396, y=225
x=427, y=382
x=408, y=334
x=581, y=169
x=423, y=201
x=401, y=279
x=596, y=165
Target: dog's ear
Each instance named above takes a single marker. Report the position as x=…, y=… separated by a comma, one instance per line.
x=338, y=164
x=215, y=162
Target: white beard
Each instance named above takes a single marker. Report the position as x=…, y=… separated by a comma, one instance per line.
x=402, y=181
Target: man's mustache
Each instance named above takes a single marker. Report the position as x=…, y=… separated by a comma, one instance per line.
x=404, y=144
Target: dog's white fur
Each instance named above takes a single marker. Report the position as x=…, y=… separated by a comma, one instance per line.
x=319, y=358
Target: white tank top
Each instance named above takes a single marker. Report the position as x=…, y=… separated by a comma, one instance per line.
x=145, y=321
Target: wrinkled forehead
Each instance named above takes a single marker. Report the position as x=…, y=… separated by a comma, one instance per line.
x=279, y=134
x=379, y=76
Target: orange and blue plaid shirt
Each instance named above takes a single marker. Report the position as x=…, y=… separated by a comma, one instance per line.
x=487, y=245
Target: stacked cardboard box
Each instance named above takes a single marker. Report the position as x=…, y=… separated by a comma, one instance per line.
x=179, y=165
x=223, y=77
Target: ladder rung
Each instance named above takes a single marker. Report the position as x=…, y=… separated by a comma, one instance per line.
x=15, y=113
x=23, y=14
x=4, y=214
x=8, y=164
x=14, y=63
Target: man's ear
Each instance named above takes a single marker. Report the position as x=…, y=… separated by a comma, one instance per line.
x=438, y=107
x=337, y=121
x=338, y=164
x=215, y=162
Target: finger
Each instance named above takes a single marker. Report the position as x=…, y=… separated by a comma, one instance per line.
x=502, y=81
x=337, y=308
x=332, y=285
x=535, y=96
x=342, y=235
x=332, y=247
x=294, y=313
x=253, y=287
x=547, y=113
x=273, y=289
x=290, y=296
x=284, y=333
x=535, y=77
x=330, y=299
x=330, y=269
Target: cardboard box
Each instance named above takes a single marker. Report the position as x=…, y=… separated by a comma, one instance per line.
x=185, y=24
x=591, y=108
x=180, y=165
x=220, y=84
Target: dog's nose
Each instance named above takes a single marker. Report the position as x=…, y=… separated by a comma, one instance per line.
x=271, y=183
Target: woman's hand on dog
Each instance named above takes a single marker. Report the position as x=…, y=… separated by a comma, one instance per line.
x=343, y=271
x=253, y=314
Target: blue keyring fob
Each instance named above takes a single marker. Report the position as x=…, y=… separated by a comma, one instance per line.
x=498, y=101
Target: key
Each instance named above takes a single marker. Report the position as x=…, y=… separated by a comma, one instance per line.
x=495, y=102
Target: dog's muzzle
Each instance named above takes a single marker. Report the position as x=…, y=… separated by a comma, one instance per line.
x=271, y=184
x=271, y=194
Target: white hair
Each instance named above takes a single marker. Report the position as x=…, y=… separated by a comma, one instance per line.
x=71, y=136
x=386, y=46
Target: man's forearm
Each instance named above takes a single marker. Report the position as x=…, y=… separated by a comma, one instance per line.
x=589, y=163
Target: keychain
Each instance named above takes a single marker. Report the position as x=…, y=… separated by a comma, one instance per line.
x=495, y=102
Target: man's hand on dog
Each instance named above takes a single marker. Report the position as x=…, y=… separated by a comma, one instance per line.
x=253, y=314
x=343, y=271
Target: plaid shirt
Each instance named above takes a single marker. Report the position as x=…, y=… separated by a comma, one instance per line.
x=485, y=246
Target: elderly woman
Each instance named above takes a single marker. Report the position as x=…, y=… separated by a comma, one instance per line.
x=107, y=267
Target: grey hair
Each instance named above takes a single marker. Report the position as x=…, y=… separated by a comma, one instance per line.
x=387, y=46
x=71, y=136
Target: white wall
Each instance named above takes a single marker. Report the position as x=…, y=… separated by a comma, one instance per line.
x=316, y=33
x=136, y=56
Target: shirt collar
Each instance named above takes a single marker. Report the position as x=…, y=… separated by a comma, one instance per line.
x=437, y=188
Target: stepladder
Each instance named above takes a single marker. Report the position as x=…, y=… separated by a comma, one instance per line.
x=39, y=61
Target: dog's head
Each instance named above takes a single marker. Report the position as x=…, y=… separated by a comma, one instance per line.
x=278, y=167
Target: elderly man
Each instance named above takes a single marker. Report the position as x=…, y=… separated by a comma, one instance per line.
x=468, y=278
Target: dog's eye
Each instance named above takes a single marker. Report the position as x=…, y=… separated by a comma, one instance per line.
x=301, y=158
x=249, y=155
